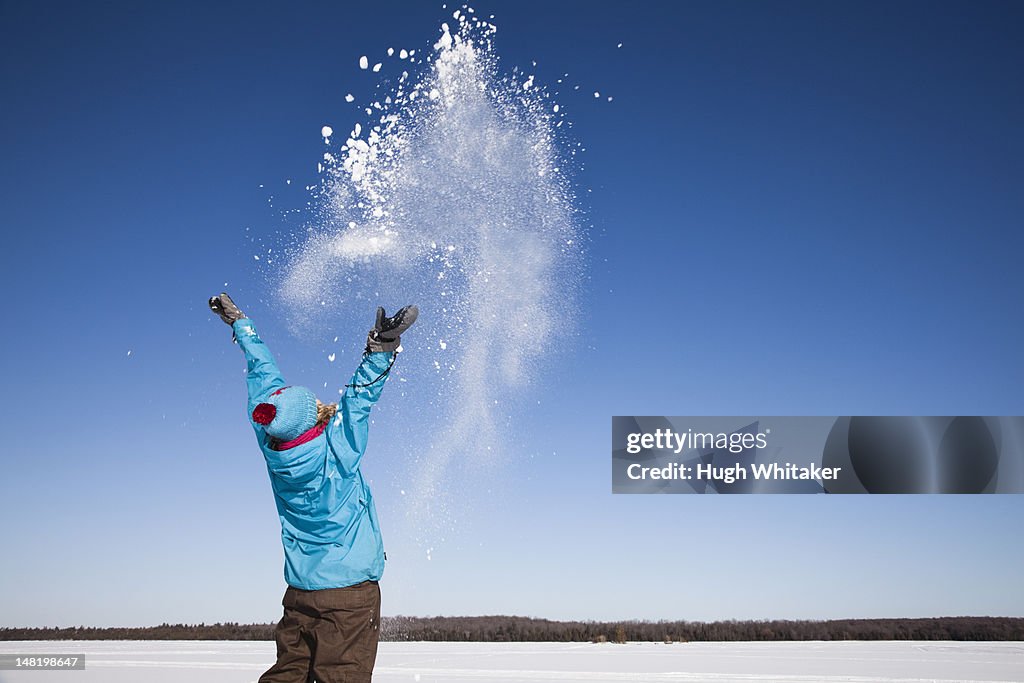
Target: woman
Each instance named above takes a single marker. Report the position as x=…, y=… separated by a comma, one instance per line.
x=333, y=551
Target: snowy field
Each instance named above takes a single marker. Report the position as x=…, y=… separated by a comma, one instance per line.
x=243, y=662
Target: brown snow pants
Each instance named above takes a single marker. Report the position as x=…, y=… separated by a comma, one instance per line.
x=327, y=636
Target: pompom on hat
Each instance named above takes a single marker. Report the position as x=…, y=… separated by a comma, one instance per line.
x=287, y=414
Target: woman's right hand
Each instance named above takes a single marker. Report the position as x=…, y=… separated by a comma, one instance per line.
x=386, y=332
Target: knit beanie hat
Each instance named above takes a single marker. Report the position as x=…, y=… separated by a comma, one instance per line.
x=288, y=413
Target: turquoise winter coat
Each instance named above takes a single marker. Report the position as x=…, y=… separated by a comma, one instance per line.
x=329, y=525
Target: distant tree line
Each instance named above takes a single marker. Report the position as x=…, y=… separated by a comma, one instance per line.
x=525, y=629
x=517, y=629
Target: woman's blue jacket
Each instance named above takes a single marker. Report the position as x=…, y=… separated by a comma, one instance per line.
x=329, y=525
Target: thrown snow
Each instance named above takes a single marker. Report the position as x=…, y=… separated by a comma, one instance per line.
x=454, y=154
x=397, y=662
x=364, y=62
x=326, y=131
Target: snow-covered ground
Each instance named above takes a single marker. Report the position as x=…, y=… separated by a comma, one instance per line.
x=243, y=662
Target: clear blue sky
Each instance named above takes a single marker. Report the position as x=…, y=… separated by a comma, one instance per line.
x=796, y=208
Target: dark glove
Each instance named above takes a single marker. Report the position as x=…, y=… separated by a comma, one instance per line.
x=224, y=307
x=386, y=332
